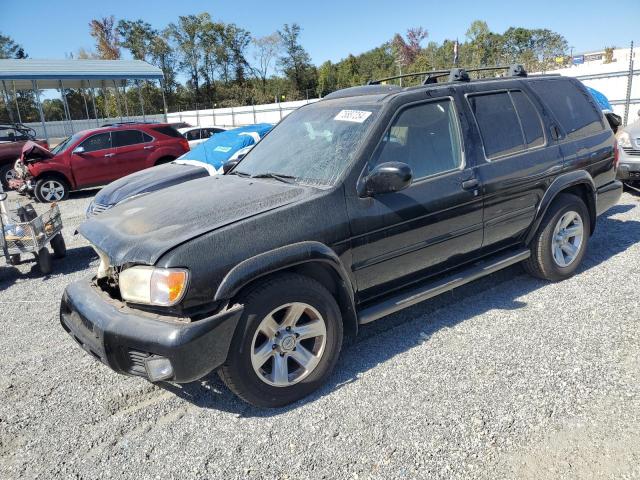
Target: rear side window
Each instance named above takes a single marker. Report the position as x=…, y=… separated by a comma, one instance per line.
x=169, y=131
x=101, y=141
x=571, y=107
x=192, y=135
x=529, y=119
x=498, y=123
x=425, y=137
x=122, y=138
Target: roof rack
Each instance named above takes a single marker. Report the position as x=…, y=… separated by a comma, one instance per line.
x=455, y=74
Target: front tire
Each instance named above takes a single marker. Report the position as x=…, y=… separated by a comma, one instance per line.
x=561, y=240
x=51, y=189
x=44, y=260
x=58, y=246
x=287, y=342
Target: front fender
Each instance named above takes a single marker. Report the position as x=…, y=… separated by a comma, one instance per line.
x=279, y=259
x=561, y=183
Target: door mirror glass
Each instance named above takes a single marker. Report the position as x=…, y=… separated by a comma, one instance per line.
x=386, y=178
x=78, y=150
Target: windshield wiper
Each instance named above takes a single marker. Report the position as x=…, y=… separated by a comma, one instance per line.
x=240, y=174
x=278, y=176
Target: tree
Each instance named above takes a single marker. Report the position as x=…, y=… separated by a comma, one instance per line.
x=296, y=62
x=106, y=36
x=236, y=41
x=187, y=36
x=407, y=50
x=10, y=49
x=163, y=57
x=136, y=36
x=265, y=50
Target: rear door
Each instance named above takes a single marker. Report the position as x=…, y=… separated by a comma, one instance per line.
x=133, y=147
x=94, y=165
x=518, y=159
x=402, y=236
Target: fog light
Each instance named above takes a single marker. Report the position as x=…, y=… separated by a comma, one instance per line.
x=158, y=368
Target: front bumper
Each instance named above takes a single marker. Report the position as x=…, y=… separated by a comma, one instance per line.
x=128, y=340
x=629, y=166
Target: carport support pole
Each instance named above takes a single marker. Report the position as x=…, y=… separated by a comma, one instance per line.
x=7, y=101
x=15, y=98
x=84, y=98
x=144, y=118
x=115, y=87
x=65, y=104
x=34, y=84
x=93, y=102
x=126, y=105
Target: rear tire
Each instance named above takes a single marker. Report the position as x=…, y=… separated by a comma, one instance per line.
x=558, y=249
x=14, y=259
x=263, y=366
x=44, y=260
x=164, y=160
x=51, y=189
x=58, y=246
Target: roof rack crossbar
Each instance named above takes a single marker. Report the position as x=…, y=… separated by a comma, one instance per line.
x=513, y=70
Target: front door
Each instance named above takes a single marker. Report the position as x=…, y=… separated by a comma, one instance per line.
x=93, y=161
x=402, y=236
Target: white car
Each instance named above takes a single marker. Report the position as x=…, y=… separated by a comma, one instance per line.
x=197, y=135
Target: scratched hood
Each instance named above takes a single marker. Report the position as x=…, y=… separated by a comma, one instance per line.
x=148, y=180
x=142, y=229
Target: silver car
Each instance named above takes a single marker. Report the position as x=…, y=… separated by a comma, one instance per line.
x=629, y=151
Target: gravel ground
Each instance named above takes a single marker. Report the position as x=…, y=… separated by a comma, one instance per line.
x=508, y=377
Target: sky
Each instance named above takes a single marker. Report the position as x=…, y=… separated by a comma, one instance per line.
x=331, y=29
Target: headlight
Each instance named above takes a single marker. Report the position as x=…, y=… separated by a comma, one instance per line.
x=624, y=140
x=153, y=286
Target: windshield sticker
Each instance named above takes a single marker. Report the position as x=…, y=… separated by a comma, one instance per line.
x=222, y=149
x=356, y=116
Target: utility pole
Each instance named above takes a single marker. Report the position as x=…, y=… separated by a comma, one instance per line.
x=629, y=82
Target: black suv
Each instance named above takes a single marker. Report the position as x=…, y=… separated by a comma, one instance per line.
x=364, y=203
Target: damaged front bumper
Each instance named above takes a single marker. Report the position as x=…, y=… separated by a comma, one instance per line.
x=134, y=342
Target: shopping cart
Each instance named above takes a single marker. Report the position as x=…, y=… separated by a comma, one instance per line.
x=24, y=231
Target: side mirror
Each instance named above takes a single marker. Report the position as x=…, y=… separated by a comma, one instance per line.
x=386, y=178
x=78, y=150
x=230, y=164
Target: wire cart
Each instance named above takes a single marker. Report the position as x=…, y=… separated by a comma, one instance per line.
x=24, y=231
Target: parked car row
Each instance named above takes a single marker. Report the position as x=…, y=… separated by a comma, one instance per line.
x=352, y=208
x=13, y=137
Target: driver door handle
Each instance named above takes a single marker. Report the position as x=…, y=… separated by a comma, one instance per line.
x=470, y=184
x=108, y=155
x=148, y=147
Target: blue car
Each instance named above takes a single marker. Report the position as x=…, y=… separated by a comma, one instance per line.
x=207, y=159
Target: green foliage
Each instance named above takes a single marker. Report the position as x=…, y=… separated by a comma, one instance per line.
x=10, y=49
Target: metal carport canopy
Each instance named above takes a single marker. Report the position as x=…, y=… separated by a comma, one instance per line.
x=74, y=73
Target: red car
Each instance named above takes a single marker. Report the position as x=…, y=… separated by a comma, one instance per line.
x=13, y=136
x=96, y=157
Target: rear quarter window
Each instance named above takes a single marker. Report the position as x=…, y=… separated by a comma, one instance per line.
x=498, y=123
x=570, y=105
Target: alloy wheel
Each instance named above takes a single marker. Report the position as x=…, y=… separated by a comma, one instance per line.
x=567, y=239
x=52, y=191
x=288, y=344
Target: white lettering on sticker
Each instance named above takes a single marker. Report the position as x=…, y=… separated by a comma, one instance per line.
x=356, y=116
x=222, y=149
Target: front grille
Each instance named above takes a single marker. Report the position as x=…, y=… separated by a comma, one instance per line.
x=99, y=208
x=632, y=151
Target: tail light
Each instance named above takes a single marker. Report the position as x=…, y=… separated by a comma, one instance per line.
x=616, y=156
x=185, y=144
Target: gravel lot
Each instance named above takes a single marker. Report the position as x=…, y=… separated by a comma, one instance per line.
x=508, y=377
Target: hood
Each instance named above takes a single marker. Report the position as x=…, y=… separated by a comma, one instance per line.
x=144, y=228
x=148, y=180
x=33, y=152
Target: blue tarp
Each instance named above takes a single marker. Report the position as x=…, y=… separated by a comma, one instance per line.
x=220, y=147
x=601, y=99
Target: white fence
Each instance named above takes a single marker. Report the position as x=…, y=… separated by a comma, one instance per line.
x=238, y=116
x=223, y=117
